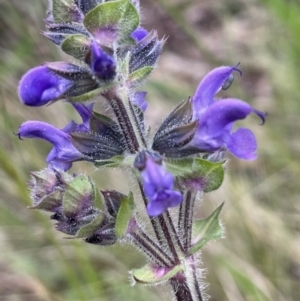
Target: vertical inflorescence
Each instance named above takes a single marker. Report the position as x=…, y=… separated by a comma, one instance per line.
x=113, y=55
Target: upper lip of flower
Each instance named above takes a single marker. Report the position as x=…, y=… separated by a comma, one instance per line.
x=216, y=118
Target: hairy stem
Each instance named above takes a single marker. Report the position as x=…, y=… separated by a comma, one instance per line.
x=149, y=247
x=128, y=123
x=185, y=221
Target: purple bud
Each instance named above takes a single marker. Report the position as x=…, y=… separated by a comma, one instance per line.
x=39, y=86
x=139, y=100
x=102, y=64
x=63, y=153
x=158, y=187
x=139, y=33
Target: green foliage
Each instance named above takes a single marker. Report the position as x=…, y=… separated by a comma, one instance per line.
x=208, y=174
x=125, y=214
x=119, y=17
x=76, y=45
x=154, y=275
x=205, y=230
x=139, y=75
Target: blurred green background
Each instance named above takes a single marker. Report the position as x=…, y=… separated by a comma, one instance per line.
x=259, y=260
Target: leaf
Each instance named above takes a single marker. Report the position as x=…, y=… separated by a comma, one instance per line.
x=154, y=275
x=180, y=167
x=211, y=172
x=112, y=21
x=138, y=76
x=76, y=45
x=124, y=215
x=201, y=174
x=205, y=230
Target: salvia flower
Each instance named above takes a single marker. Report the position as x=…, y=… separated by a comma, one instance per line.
x=40, y=86
x=158, y=187
x=102, y=64
x=216, y=118
x=63, y=153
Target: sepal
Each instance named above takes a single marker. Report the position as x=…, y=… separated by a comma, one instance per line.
x=57, y=33
x=205, y=230
x=86, y=5
x=146, y=52
x=150, y=274
x=68, y=70
x=96, y=146
x=103, y=125
x=104, y=236
x=172, y=140
x=65, y=11
x=112, y=200
x=176, y=131
x=181, y=115
x=79, y=195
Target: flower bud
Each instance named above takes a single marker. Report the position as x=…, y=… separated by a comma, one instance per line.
x=39, y=86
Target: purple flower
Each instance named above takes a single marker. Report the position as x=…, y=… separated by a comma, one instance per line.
x=85, y=111
x=39, y=86
x=139, y=34
x=158, y=187
x=138, y=99
x=216, y=118
x=210, y=85
x=102, y=64
x=63, y=153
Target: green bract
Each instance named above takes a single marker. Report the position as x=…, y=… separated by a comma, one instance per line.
x=112, y=21
x=205, y=230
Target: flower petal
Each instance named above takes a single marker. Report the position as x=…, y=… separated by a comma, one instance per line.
x=85, y=111
x=242, y=144
x=139, y=100
x=40, y=86
x=63, y=150
x=209, y=86
x=216, y=122
x=139, y=33
x=163, y=201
